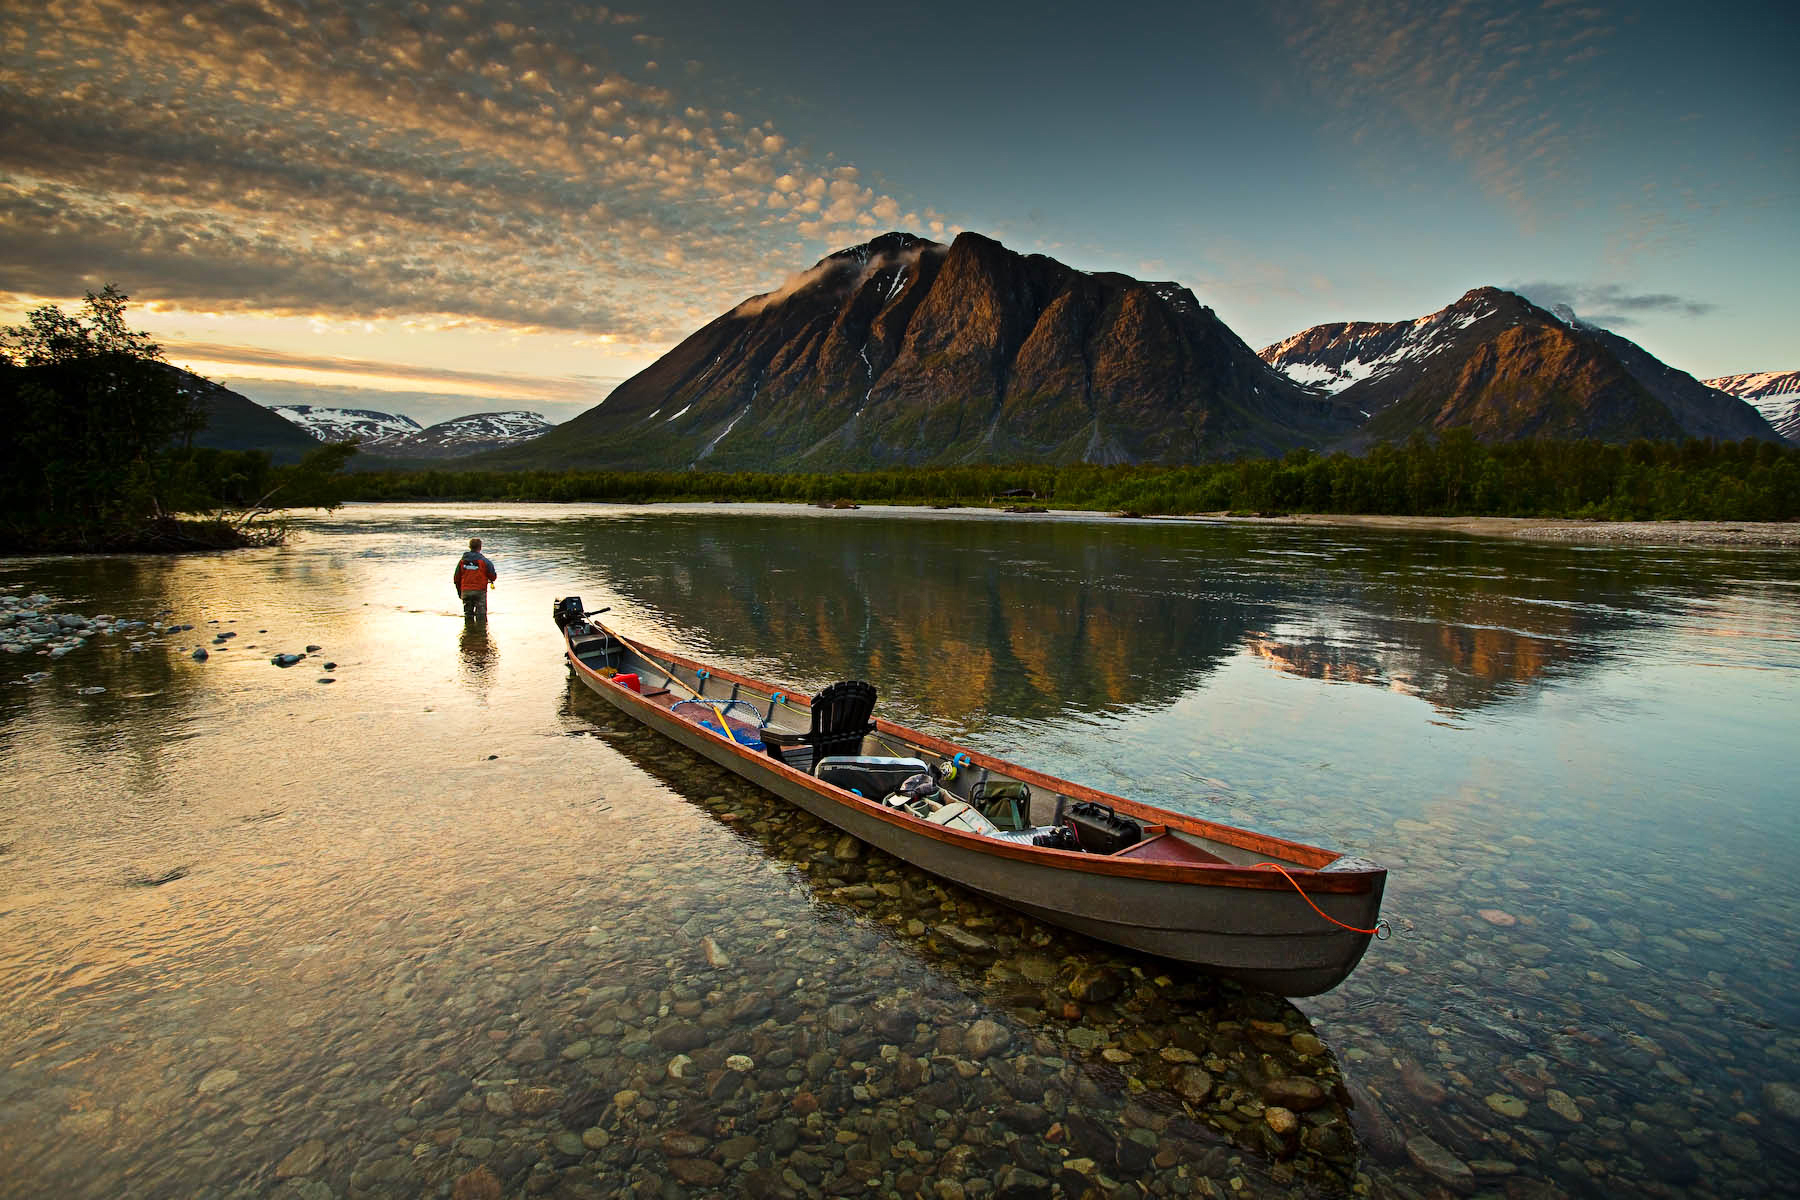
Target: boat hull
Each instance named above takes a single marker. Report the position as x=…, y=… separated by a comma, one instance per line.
x=1254, y=927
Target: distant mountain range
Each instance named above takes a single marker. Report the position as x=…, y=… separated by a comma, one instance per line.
x=1775, y=394
x=907, y=352
x=289, y=431
x=393, y=436
x=342, y=424
x=903, y=351
x=461, y=436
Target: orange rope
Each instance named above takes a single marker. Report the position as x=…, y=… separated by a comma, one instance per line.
x=1375, y=932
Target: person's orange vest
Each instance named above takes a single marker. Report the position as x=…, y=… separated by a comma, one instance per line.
x=471, y=576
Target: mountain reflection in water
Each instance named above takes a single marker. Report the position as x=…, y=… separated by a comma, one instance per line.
x=1035, y=621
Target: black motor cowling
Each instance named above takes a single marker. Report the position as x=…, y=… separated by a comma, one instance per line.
x=567, y=611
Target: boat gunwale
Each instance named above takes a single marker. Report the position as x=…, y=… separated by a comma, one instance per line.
x=1304, y=878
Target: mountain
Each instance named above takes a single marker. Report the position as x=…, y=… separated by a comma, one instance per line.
x=1701, y=410
x=1504, y=368
x=903, y=351
x=390, y=438
x=236, y=422
x=462, y=436
x=1775, y=394
x=342, y=424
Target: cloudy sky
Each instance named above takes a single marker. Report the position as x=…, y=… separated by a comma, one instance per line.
x=444, y=208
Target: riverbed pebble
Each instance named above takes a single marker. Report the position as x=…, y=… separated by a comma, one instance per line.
x=1782, y=1099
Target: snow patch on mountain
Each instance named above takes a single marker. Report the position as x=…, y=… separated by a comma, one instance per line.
x=1174, y=295
x=1775, y=394
x=342, y=424
x=1376, y=351
x=466, y=435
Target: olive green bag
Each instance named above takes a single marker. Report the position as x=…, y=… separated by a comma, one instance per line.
x=1006, y=803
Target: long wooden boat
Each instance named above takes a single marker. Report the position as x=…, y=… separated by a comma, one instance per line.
x=1273, y=914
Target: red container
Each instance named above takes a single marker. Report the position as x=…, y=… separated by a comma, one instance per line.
x=628, y=681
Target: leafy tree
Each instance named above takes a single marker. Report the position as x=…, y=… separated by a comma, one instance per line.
x=94, y=413
x=50, y=336
x=100, y=453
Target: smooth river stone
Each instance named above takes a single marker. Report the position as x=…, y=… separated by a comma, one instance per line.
x=218, y=1080
x=1440, y=1164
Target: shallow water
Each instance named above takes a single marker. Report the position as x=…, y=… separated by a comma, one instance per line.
x=448, y=919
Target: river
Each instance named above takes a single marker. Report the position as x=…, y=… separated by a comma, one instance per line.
x=445, y=925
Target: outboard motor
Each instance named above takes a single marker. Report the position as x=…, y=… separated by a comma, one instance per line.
x=567, y=612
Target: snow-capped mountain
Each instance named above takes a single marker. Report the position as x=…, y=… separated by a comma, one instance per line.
x=464, y=435
x=1334, y=357
x=1775, y=394
x=342, y=424
x=1503, y=368
x=393, y=435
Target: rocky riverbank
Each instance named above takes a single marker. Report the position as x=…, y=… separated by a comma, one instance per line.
x=28, y=626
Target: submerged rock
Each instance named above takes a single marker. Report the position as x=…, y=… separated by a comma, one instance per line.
x=1293, y=1092
x=1783, y=1099
x=1440, y=1164
x=479, y=1184
x=303, y=1159
x=217, y=1080
x=986, y=1037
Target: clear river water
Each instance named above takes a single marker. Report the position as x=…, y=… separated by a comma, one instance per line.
x=447, y=926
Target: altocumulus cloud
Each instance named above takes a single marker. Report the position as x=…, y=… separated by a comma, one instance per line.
x=1465, y=75
x=504, y=162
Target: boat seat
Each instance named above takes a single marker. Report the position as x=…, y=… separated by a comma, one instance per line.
x=840, y=722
